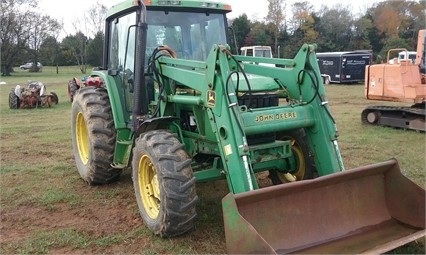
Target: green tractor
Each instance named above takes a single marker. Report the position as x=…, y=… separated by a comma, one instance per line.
x=177, y=107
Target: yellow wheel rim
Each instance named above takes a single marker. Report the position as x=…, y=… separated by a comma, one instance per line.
x=149, y=188
x=299, y=173
x=82, y=138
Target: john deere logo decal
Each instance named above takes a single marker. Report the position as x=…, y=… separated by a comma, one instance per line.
x=211, y=98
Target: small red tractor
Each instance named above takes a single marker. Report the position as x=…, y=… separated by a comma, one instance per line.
x=75, y=84
x=32, y=96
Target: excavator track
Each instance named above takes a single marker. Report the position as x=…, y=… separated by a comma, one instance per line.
x=412, y=118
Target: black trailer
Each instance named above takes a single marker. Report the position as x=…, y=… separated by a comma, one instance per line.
x=344, y=67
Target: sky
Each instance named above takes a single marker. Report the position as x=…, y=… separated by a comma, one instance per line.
x=67, y=11
x=258, y=9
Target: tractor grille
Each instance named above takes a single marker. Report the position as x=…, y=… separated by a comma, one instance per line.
x=259, y=101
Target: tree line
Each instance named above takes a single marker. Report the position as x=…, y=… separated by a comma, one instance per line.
x=28, y=35
x=383, y=26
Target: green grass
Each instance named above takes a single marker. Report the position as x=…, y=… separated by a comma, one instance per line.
x=364, y=144
x=47, y=76
x=41, y=242
x=47, y=208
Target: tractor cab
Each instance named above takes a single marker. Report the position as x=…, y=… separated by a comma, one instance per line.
x=189, y=32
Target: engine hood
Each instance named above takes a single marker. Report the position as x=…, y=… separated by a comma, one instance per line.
x=257, y=83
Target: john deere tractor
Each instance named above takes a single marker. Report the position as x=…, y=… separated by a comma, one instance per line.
x=177, y=107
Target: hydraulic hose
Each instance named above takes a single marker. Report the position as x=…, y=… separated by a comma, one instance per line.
x=244, y=74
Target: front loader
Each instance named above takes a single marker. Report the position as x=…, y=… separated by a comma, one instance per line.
x=177, y=108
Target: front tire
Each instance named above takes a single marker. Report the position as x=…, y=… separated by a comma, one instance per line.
x=164, y=183
x=13, y=100
x=93, y=136
x=326, y=80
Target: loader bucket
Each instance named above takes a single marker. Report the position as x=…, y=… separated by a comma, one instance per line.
x=371, y=209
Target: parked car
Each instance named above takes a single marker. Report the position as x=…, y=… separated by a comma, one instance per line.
x=29, y=65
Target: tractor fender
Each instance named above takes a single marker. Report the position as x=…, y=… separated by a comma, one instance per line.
x=42, y=90
x=18, y=91
x=155, y=123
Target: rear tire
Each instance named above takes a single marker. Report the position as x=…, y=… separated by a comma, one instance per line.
x=305, y=168
x=55, y=97
x=72, y=89
x=13, y=100
x=164, y=183
x=93, y=136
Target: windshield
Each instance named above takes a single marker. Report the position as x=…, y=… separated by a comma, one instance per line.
x=411, y=56
x=191, y=35
x=263, y=53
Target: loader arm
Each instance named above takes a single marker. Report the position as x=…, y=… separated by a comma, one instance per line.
x=215, y=84
x=301, y=79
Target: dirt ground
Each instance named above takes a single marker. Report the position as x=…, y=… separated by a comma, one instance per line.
x=96, y=220
x=107, y=214
x=46, y=208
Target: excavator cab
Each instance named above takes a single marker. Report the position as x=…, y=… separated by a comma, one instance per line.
x=397, y=80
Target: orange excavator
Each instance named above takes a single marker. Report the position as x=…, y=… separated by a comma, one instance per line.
x=398, y=81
